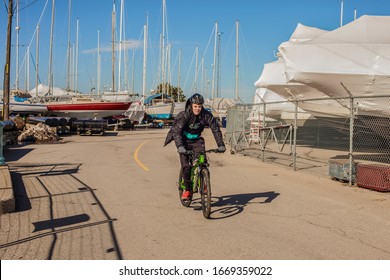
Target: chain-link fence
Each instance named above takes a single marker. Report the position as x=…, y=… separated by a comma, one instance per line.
x=332, y=137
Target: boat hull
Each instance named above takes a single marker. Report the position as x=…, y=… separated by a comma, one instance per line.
x=160, y=112
x=26, y=108
x=88, y=110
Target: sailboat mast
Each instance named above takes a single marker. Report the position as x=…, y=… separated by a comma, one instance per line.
x=27, y=83
x=98, y=64
x=196, y=69
x=219, y=64
x=202, y=82
x=49, y=78
x=120, y=46
x=132, y=71
x=37, y=62
x=169, y=78
x=77, y=55
x=341, y=13
x=237, y=65
x=68, y=51
x=178, y=78
x=113, y=47
x=215, y=61
x=163, y=52
x=145, y=57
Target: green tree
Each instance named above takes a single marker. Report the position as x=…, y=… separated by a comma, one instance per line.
x=174, y=92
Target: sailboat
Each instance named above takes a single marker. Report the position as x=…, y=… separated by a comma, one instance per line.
x=217, y=104
x=23, y=106
x=159, y=105
x=19, y=100
x=78, y=106
x=87, y=108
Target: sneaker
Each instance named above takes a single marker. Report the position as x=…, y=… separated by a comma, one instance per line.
x=186, y=195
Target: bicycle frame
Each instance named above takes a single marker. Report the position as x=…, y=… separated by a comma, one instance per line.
x=200, y=181
x=197, y=166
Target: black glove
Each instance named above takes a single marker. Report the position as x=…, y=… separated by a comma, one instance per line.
x=221, y=149
x=181, y=150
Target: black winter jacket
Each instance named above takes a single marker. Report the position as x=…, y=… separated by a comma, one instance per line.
x=187, y=122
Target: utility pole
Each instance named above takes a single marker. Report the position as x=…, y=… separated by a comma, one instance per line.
x=7, y=64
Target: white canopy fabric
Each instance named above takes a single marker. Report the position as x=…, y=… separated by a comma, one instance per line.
x=353, y=59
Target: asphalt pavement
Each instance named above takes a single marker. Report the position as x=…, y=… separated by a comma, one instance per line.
x=115, y=197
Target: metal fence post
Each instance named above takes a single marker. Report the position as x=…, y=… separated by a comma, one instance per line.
x=262, y=134
x=295, y=137
x=351, y=127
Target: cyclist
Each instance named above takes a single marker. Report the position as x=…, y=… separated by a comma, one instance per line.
x=186, y=132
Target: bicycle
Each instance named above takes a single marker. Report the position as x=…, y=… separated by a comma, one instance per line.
x=200, y=181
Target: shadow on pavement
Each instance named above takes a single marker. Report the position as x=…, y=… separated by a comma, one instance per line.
x=230, y=205
x=15, y=153
x=60, y=222
x=57, y=213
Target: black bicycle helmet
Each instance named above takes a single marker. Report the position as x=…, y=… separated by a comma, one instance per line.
x=197, y=99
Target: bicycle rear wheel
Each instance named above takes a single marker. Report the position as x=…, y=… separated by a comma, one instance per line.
x=205, y=192
x=187, y=202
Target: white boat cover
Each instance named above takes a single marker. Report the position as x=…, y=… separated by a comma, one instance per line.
x=353, y=59
x=136, y=111
x=281, y=111
x=44, y=89
x=219, y=105
x=273, y=78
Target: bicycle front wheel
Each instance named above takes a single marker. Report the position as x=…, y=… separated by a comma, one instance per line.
x=205, y=192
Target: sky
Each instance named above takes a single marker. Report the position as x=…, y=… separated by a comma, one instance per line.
x=190, y=30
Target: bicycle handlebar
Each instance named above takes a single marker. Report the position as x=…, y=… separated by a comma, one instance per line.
x=191, y=152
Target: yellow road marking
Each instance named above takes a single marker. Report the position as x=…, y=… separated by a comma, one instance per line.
x=144, y=167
